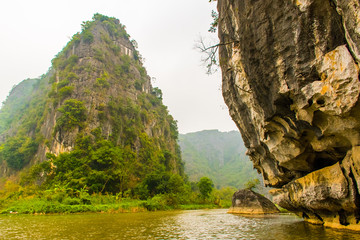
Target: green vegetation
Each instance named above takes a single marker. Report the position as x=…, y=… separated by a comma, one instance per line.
x=218, y=155
x=65, y=92
x=205, y=187
x=17, y=151
x=214, y=24
x=88, y=37
x=62, y=84
x=73, y=114
x=161, y=191
x=16, y=102
x=252, y=184
x=62, y=200
x=99, y=55
x=22, y=115
x=102, y=81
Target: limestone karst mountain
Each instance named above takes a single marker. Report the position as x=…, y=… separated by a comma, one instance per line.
x=291, y=82
x=95, y=112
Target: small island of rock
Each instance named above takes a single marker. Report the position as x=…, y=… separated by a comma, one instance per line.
x=246, y=201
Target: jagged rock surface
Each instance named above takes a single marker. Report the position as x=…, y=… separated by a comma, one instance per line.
x=291, y=82
x=246, y=201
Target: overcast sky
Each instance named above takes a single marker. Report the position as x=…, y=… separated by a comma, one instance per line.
x=33, y=32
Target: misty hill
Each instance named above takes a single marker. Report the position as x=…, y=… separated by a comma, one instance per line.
x=218, y=155
x=16, y=102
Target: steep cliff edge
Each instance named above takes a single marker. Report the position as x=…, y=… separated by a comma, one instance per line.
x=291, y=82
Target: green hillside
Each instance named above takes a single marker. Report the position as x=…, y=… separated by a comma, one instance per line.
x=16, y=102
x=218, y=155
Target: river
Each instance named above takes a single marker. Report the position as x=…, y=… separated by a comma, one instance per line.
x=196, y=224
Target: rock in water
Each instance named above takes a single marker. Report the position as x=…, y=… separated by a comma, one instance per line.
x=291, y=82
x=246, y=201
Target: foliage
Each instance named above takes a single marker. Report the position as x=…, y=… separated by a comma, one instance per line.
x=86, y=25
x=17, y=151
x=16, y=102
x=88, y=36
x=66, y=91
x=160, y=182
x=214, y=24
x=72, y=60
x=251, y=184
x=65, y=63
x=157, y=93
x=113, y=25
x=102, y=81
x=22, y=116
x=72, y=76
x=138, y=85
x=36, y=174
x=64, y=199
x=62, y=83
x=73, y=114
x=209, y=51
x=125, y=66
x=223, y=196
x=205, y=187
x=99, y=55
x=102, y=167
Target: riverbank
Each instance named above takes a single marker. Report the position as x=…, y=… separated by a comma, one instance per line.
x=94, y=203
x=34, y=199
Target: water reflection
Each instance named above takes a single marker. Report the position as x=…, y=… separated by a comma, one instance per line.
x=200, y=224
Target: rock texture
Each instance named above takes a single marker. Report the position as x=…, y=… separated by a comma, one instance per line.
x=246, y=201
x=291, y=82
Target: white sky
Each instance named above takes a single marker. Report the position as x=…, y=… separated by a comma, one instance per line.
x=33, y=32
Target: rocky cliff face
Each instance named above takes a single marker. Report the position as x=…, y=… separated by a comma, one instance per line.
x=291, y=82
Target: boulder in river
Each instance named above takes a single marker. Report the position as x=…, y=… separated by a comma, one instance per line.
x=246, y=201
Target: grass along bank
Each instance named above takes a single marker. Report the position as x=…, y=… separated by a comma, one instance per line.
x=33, y=200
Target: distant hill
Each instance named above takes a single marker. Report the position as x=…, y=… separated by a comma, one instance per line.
x=218, y=155
x=16, y=103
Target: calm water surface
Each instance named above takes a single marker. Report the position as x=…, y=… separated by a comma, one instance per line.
x=199, y=224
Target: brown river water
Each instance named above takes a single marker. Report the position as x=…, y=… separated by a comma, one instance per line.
x=195, y=224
